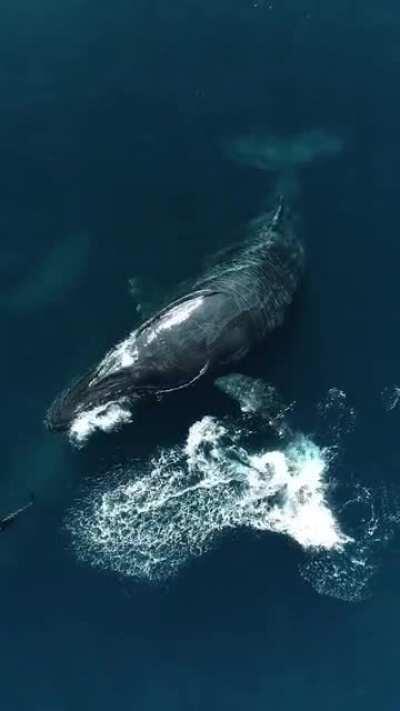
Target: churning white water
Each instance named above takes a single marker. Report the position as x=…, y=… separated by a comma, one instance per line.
x=151, y=524
x=106, y=418
x=147, y=519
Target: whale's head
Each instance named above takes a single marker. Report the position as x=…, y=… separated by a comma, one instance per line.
x=95, y=402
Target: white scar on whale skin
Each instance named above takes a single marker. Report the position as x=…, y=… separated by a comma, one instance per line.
x=106, y=418
x=124, y=355
x=178, y=314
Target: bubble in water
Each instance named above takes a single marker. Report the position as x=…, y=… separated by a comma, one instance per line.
x=372, y=517
x=337, y=417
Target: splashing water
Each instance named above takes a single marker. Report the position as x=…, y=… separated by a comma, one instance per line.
x=151, y=525
x=151, y=518
x=154, y=517
x=346, y=574
x=106, y=418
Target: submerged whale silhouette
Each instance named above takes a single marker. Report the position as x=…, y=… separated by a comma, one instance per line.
x=229, y=310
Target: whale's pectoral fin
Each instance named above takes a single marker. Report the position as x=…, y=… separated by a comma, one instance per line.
x=229, y=344
x=257, y=398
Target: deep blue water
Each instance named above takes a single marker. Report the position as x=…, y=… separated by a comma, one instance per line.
x=112, y=125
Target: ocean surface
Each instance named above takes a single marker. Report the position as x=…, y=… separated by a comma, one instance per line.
x=136, y=139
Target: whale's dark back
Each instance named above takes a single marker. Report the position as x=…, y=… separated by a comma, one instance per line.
x=229, y=310
x=264, y=272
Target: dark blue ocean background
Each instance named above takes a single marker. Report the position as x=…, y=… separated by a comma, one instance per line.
x=113, y=121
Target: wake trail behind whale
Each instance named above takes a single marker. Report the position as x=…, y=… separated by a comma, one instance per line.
x=148, y=519
x=149, y=526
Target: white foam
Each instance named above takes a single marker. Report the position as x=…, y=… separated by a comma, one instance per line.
x=346, y=573
x=106, y=417
x=302, y=512
x=205, y=431
x=150, y=519
x=152, y=524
